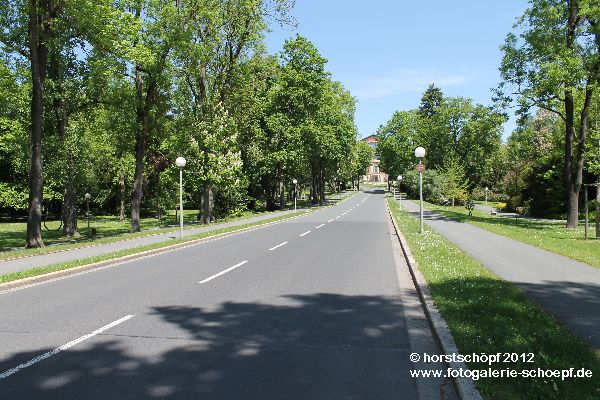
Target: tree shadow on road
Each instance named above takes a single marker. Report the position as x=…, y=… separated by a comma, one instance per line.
x=321, y=346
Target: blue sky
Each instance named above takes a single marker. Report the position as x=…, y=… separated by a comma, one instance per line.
x=386, y=52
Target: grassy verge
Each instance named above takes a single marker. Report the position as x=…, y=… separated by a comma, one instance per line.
x=548, y=235
x=489, y=315
x=110, y=230
x=77, y=263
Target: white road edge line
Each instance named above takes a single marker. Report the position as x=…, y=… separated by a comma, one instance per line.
x=279, y=245
x=305, y=233
x=57, y=350
x=320, y=226
x=210, y=278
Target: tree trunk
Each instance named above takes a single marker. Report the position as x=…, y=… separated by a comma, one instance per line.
x=322, y=188
x=316, y=187
x=206, y=204
x=574, y=175
x=598, y=208
x=38, y=55
x=572, y=194
x=138, y=179
x=281, y=195
x=69, y=209
x=142, y=112
x=122, y=205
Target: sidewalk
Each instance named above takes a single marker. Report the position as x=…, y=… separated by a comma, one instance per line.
x=566, y=289
x=21, y=264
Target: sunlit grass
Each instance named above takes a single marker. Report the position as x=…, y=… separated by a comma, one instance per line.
x=109, y=229
x=77, y=263
x=548, y=235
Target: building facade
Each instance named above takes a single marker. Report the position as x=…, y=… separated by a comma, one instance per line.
x=373, y=173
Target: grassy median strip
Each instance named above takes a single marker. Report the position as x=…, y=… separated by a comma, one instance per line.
x=126, y=252
x=110, y=230
x=489, y=315
x=548, y=235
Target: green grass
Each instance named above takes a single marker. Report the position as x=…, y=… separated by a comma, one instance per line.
x=109, y=229
x=548, y=235
x=489, y=315
x=77, y=263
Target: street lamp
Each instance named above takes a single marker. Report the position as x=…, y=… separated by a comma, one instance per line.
x=399, y=190
x=420, y=153
x=88, y=196
x=180, y=162
x=295, y=181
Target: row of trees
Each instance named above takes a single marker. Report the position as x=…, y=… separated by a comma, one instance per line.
x=552, y=64
x=103, y=95
x=550, y=74
x=462, y=139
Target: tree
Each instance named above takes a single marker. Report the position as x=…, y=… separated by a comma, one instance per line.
x=454, y=181
x=534, y=161
x=397, y=140
x=430, y=101
x=298, y=103
x=14, y=138
x=554, y=64
x=362, y=155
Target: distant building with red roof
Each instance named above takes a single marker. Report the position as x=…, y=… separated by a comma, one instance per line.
x=374, y=174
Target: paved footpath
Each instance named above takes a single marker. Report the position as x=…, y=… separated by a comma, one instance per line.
x=24, y=263
x=567, y=289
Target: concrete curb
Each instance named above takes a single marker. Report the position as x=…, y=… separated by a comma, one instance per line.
x=39, y=279
x=464, y=386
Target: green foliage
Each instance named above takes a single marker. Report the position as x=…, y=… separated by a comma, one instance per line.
x=13, y=141
x=455, y=183
x=173, y=79
x=551, y=63
x=534, y=178
x=430, y=101
x=462, y=140
x=396, y=142
x=362, y=155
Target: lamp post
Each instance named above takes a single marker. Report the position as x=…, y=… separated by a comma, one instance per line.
x=295, y=181
x=400, y=190
x=420, y=153
x=88, y=196
x=180, y=162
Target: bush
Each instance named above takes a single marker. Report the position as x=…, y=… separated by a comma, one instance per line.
x=437, y=187
x=479, y=194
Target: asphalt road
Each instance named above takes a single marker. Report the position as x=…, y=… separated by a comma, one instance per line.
x=311, y=308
